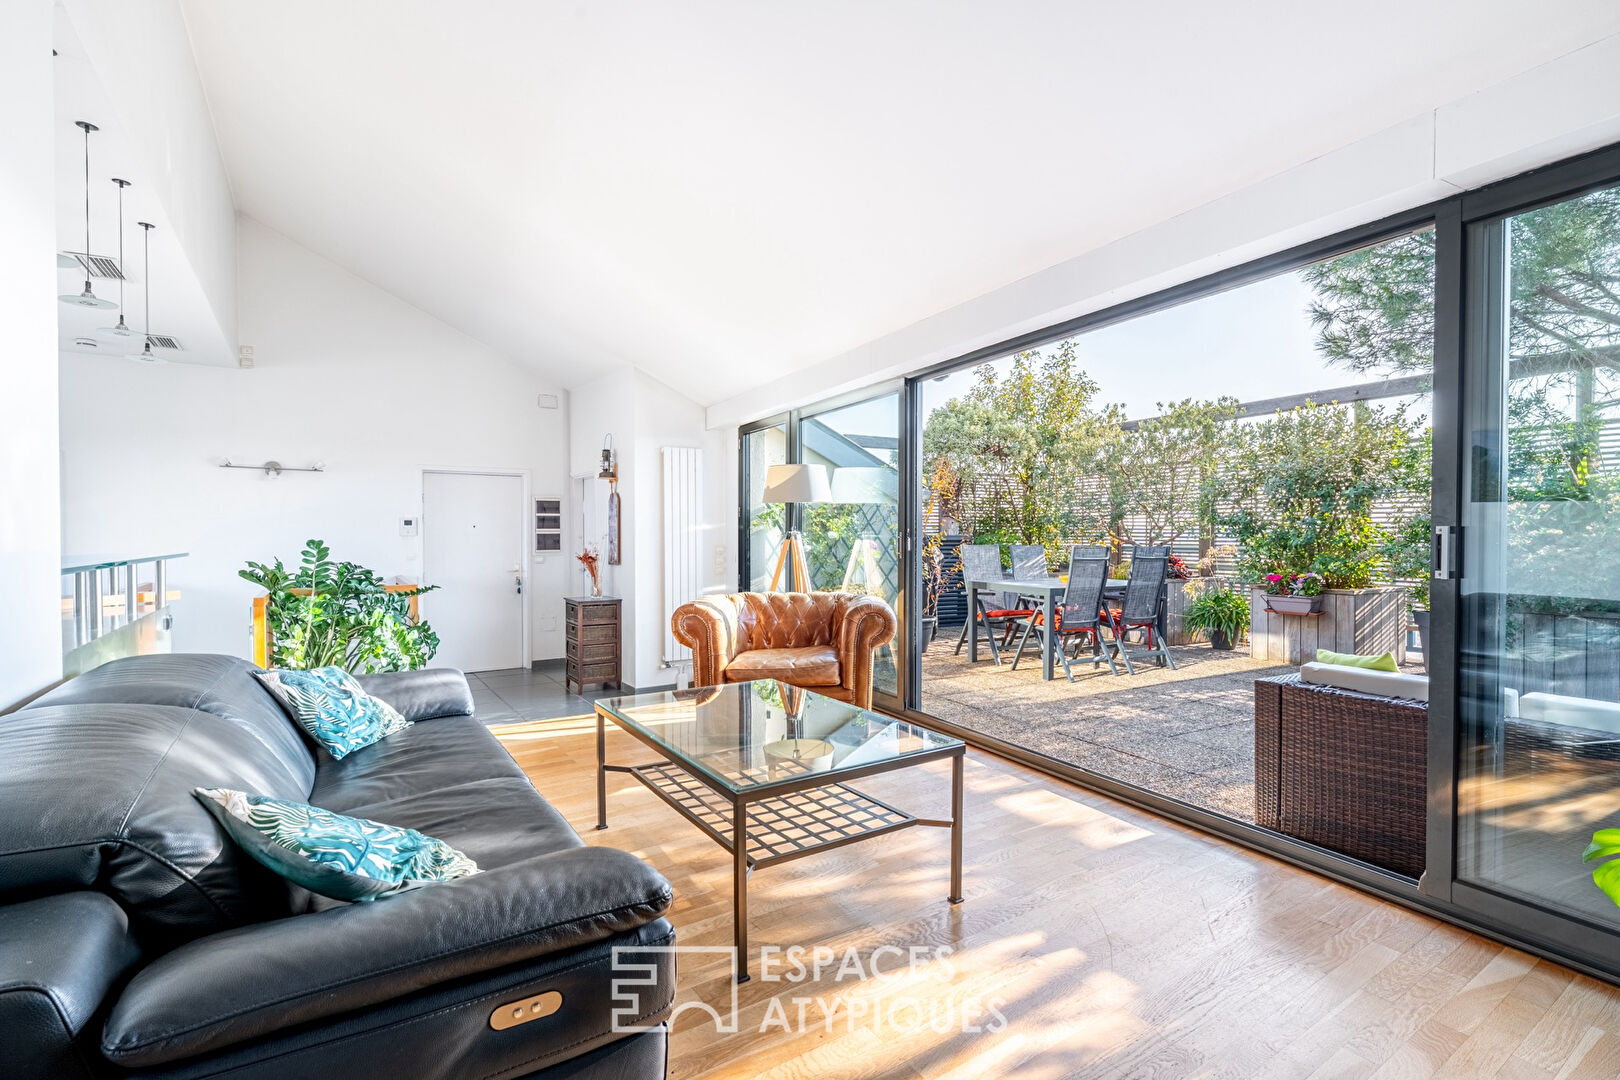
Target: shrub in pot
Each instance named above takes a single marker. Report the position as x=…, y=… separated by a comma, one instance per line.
x=1221, y=614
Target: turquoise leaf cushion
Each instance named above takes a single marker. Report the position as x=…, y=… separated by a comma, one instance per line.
x=329, y=704
x=345, y=858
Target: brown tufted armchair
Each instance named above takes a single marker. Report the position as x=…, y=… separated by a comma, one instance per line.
x=822, y=641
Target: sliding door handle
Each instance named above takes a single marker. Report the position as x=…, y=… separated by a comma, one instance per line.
x=1446, y=558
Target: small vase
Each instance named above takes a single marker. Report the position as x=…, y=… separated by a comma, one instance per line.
x=596, y=587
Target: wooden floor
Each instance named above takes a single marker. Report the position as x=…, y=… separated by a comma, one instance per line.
x=1109, y=942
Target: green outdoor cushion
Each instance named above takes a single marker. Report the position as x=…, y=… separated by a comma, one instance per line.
x=1381, y=662
x=345, y=858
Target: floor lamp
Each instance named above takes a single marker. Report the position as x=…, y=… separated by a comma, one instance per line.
x=790, y=485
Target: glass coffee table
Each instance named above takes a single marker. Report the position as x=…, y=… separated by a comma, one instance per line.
x=761, y=767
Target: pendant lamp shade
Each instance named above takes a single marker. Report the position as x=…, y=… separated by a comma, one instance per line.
x=797, y=484
x=88, y=297
x=122, y=329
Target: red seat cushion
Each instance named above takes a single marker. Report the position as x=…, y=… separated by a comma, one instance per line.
x=1009, y=613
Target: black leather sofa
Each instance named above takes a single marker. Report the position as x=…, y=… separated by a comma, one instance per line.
x=136, y=941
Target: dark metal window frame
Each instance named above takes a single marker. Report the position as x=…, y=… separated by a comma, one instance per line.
x=1544, y=933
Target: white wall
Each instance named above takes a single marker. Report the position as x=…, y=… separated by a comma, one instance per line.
x=30, y=549
x=345, y=374
x=644, y=416
x=141, y=54
x=1559, y=109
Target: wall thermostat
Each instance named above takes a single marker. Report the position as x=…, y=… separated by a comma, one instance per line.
x=407, y=526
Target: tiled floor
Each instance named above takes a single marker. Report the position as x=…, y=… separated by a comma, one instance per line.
x=514, y=694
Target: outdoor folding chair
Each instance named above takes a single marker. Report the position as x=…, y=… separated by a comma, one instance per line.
x=1079, y=615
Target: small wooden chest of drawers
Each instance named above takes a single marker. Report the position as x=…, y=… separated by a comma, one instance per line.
x=592, y=641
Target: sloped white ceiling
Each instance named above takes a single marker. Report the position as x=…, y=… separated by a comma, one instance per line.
x=721, y=192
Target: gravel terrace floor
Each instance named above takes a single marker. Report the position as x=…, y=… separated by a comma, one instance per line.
x=1186, y=733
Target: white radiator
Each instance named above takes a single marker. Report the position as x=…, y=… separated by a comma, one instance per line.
x=683, y=535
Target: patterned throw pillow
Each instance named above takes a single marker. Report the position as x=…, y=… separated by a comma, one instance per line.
x=345, y=858
x=329, y=704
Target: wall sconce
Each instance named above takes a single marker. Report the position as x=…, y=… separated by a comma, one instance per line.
x=610, y=465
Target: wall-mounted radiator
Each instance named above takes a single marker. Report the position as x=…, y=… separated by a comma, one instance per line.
x=683, y=535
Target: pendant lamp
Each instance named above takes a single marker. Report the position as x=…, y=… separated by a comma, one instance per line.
x=146, y=355
x=88, y=298
x=122, y=329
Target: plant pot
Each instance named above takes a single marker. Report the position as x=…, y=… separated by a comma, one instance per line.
x=1294, y=605
x=1219, y=640
x=926, y=632
x=1421, y=617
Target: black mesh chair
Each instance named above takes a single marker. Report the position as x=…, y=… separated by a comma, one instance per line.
x=1138, y=609
x=1079, y=614
x=1028, y=561
x=982, y=562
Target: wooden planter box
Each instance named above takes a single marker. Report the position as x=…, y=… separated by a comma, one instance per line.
x=1362, y=621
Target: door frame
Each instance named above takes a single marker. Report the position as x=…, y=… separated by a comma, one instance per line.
x=525, y=556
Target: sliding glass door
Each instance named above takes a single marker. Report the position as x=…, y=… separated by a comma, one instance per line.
x=763, y=525
x=1539, y=591
x=853, y=542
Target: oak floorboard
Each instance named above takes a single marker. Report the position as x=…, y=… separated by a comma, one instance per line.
x=1109, y=942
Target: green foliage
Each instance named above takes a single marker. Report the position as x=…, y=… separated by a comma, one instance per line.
x=1407, y=552
x=1019, y=444
x=1305, y=483
x=1605, y=842
x=341, y=614
x=1163, y=473
x=1374, y=308
x=1217, y=609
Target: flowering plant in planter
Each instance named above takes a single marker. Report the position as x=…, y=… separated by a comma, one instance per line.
x=1176, y=568
x=1276, y=584
x=1308, y=584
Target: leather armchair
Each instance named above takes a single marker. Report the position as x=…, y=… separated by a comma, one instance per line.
x=822, y=641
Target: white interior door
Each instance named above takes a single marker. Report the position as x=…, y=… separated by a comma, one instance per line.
x=473, y=546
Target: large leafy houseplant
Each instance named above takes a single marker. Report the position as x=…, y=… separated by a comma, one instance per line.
x=339, y=613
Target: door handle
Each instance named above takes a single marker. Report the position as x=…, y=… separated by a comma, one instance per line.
x=517, y=578
x=1445, y=562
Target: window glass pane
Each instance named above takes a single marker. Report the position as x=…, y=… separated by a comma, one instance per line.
x=766, y=523
x=852, y=542
x=1279, y=427
x=1540, y=762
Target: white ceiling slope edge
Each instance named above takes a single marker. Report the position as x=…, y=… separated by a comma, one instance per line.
x=1559, y=109
x=125, y=65
x=722, y=192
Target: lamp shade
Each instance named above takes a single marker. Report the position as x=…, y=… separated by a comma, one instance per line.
x=797, y=484
x=865, y=484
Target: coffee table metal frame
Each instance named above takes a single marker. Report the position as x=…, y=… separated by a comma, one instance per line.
x=798, y=817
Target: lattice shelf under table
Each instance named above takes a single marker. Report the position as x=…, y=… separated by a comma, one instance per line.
x=780, y=827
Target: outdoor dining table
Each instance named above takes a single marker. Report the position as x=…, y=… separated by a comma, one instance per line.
x=1050, y=590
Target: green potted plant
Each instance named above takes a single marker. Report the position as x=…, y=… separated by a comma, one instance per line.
x=1221, y=614
x=340, y=613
